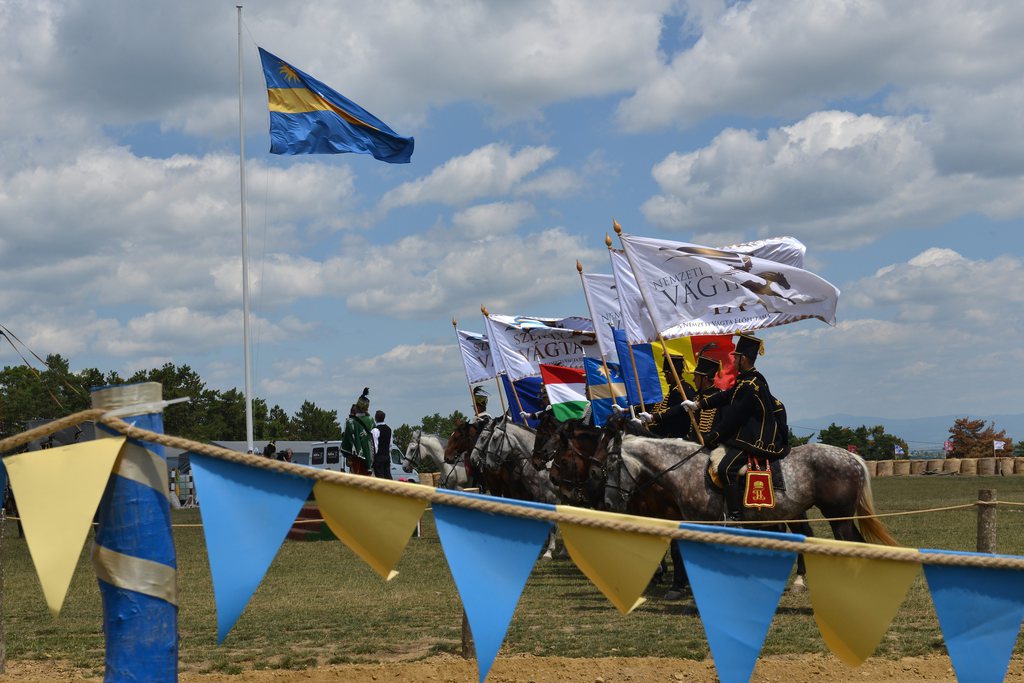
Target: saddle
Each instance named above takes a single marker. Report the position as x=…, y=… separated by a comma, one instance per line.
x=711, y=475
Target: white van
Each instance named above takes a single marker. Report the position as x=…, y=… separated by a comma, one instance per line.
x=326, y=455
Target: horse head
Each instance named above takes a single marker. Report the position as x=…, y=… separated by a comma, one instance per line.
x=572, y=452
x=546, y=442
x=461, y=441
x=412, y=456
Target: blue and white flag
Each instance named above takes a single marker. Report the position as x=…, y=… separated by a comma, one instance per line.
x=637, y=363
x=519, y=344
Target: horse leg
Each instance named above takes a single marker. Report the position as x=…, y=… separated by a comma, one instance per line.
x=680, y=582
x=549, y=553
x=842, y=529
x=804, y=528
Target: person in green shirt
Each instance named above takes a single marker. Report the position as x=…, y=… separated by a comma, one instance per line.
x=356, y=442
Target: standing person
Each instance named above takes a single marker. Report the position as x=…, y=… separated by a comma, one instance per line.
x=752, y=422
x=381, y=446
x=357, y=442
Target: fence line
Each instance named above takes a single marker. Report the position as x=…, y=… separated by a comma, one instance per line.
x=495, y=506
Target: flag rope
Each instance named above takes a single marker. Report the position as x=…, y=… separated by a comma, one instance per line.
x=849, y=550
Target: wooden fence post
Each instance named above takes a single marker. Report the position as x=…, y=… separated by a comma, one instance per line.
x=986, y=521
x=468, y=648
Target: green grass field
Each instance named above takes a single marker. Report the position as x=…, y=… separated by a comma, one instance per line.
x=320, y=604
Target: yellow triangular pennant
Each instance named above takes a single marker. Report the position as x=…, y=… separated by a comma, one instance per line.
x=58, y=491
x=854, y=599
x=619, y=563
x=376, y=526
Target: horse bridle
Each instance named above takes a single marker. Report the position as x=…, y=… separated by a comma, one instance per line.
x=628, y=494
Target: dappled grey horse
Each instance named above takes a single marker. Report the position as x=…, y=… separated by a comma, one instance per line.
x=829, y=478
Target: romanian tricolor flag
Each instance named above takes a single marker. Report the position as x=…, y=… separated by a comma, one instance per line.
x=307, y=117
x=567, y=391
x=719, y=347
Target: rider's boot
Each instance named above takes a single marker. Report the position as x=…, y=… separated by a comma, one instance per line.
x=733, y=501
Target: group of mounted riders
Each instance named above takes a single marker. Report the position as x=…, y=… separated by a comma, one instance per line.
x=745, y=419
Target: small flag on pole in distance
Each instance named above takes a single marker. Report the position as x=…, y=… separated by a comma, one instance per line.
x=307, y=117
x=998, y=445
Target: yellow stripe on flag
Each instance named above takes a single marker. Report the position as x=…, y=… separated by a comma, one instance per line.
x=620, y=564
x=677, y=347
x=304, y=100
x=854, y=600
x=376, y=526
x=58, y=491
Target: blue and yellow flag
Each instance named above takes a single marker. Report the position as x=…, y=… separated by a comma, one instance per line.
x=307, y=117
x=603, y=390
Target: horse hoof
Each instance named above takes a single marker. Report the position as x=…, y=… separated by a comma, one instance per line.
x=674, y=595
x=546, y=557
x=798, y=585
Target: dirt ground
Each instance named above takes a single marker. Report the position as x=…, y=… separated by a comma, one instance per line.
x=529, y=669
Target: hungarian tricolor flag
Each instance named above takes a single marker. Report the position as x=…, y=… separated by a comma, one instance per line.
x=567, y=391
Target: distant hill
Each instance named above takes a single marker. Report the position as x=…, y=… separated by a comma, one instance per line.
x=920, y=433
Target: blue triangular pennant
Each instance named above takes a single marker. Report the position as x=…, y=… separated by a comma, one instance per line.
x=490, y=557
x=246, y=513
x=737, y=591
x=980, y=612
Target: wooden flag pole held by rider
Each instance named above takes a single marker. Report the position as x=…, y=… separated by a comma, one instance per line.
x=664, y=347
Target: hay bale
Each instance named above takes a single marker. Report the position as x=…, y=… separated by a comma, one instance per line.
x=901, y=468
x=969, y=467
x=933, y=466
x=873, y=467
x=427, y=478
x=917, y=467
x=1018, y=465
x=884, y=468
x=986, y=467
x=951, y=466
x=1005, y=466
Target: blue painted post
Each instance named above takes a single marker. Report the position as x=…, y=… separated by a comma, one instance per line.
x=134, y=554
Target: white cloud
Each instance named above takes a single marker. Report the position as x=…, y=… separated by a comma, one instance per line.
x=783, y=57
x=484, y=220
x=838, y=178
x=939, y=328
x=488, y=171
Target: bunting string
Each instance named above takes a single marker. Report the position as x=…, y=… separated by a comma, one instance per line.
x=434, y=496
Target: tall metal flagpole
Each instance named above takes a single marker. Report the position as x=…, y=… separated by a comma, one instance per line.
x=245, y=246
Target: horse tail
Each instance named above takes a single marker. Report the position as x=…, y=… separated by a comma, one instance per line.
x=871, y=528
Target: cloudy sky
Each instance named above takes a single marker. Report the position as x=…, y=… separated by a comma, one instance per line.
x=887, y=136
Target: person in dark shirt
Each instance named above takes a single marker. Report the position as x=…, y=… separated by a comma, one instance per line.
x=381, y=446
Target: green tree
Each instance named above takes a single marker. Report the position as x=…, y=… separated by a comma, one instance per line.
x=278, y=424
x=311, y=423
x=402, y=436
x=1018, y=449
x=795, y=440
x=443, y=426
x=870, y=443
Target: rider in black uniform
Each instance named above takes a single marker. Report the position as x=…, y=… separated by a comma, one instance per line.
x=752, y=422
x=675, y=422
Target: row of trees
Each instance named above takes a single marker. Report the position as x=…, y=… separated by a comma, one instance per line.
x=967, y=439
x=28, y=394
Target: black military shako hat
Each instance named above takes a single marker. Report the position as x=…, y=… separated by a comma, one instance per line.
x=749, y=346
x=363, y=402
x=708, y=367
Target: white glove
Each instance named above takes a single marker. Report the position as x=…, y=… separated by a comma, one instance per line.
x=690, y=406
x=618, y=409
x=645, y=418
x=636, y=422
x=524, y=416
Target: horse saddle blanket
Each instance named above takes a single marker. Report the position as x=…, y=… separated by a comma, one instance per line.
x=711, y=475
